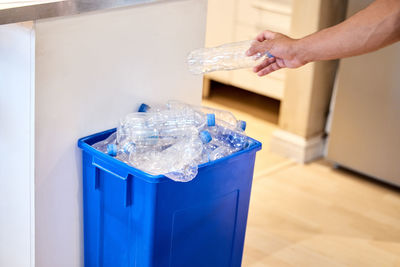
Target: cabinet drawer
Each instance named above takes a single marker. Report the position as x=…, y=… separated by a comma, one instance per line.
x=265, y=14
x=267, y=85
x=283, y=7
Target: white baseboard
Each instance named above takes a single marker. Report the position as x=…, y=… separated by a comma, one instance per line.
x=296, y=147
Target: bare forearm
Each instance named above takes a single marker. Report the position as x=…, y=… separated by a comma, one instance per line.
x=374, y=27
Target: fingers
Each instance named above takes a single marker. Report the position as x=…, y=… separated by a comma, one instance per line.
x=265, y=35
x=262, y=43
x=258, y=47
x=268, y=69
x=260, y=37
x=264, y=64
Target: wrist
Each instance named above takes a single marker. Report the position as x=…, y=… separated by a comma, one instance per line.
x=302, y=51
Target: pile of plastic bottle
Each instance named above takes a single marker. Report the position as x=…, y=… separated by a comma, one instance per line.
x=174, y=138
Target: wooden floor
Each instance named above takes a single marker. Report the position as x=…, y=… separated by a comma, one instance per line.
x=311, y=215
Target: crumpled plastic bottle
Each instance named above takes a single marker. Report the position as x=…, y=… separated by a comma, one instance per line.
x=179, y=162
x=224, y=57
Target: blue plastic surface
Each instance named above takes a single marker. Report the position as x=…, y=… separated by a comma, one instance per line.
x=205, y=136
x=242, y=125
x=143, y=107
x=210, y=119
x=132, y=218
x=112, y=150
x=269, y=55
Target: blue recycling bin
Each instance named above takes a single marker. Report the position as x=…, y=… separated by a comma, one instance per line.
x=132, y=218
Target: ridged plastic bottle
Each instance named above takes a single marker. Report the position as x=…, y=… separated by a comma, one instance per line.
x=215, y=149
x=218, y=114
x=102, y=145
x=179, y=162
x=224, y=57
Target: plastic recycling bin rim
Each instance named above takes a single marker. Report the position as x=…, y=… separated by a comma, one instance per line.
x=85, y=146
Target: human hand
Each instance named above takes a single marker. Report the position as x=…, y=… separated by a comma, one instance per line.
x=283, y=48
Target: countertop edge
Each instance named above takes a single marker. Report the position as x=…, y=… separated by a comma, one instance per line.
x=65, y=8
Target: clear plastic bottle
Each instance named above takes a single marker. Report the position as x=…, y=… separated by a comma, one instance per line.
x=220, y=152
x=225, y=57
x=215, y=149
x=154, y=107
x=122, y=152
x=226, y=116
x=181, y=117
x=161, y=128
x=134, y=128
x=178, y=162
x=110, y=147
x=230, y=137
x=102, y=145
x=178, y=113
x=197, y=110
x=214, y=115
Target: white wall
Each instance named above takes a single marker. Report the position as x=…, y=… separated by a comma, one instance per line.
x=91, y=70
x=16, y=145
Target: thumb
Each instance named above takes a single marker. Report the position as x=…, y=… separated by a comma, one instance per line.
x=266, y=35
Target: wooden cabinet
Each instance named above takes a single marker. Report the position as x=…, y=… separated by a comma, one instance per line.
x=304, y=92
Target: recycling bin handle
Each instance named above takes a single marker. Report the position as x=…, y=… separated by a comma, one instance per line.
x=121, y=174
x=107, y=167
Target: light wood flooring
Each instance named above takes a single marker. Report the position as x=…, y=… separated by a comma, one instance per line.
x=314, y=214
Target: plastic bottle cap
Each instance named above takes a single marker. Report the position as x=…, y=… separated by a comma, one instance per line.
x=242, y=125
x=205, y=137
x=210, y=119
x=129, y=147
x=143, y=108
x=112, y=150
